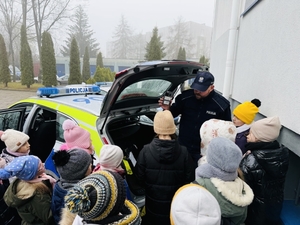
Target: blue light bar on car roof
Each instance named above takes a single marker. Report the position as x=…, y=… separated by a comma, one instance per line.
x=53, y=91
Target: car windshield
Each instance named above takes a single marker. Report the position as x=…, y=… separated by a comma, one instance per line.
x=149, y=88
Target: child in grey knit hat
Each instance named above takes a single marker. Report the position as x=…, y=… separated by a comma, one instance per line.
x=219, y=176
x=72, y=166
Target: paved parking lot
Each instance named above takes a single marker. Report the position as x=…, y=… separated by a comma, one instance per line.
x=8, y=97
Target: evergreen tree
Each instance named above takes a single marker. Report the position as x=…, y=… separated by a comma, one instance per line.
x=48, y=60
x=75, y=76
x=154, y=48
x=97, y=75
x=26, y=60
x=83, y=34
x=91, y=80
x=122, y=40
x=99, y=60
x=204, y=60
x=181, y=54
x=4, y=70
x=112, y=76
x=106, y=74
x=86, y=72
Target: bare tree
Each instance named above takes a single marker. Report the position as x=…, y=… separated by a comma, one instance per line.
x=10, y=21
x=46, y=13
x=178, y=37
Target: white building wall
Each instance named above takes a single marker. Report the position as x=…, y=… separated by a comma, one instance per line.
x=219, y=41
x=267, y=57
x=266, y=63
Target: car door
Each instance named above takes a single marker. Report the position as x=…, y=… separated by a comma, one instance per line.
x=12, y=119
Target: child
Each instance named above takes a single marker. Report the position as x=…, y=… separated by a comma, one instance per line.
x=16, y=143
x=215, y=128
x=76, y=137
x=100, y=199
x=31, y=192
x=219, y=177
x=111, y=157
x=243, y=116
x=162, y=167
x=72, y=166
x=264, y=168
x=211, y=129
x=194, y=205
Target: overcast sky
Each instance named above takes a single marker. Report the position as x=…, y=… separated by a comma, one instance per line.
x=142, y=16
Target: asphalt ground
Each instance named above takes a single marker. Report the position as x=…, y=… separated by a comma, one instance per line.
x=8, y=97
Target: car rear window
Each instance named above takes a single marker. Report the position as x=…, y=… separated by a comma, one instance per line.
x=145, y=88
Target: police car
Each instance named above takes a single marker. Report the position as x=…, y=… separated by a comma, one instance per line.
x=123, y=116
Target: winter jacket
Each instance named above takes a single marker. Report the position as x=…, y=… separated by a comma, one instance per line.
x=162, y=167
x=264, y=169
x=58, y=200
x=241, y=137
x=195, y=112
x=232, y=196
x=8, y=215
x=32, y=201
x=7, y=156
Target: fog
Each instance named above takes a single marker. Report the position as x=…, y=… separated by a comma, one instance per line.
x=142, y=16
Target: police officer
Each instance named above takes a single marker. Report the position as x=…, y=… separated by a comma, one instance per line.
x=196, y=105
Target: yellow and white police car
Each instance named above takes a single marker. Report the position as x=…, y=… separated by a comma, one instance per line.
x=122, y=116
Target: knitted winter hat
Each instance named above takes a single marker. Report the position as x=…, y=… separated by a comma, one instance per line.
x=76, y=136
x=100, y=197
x=111, y=157
x=23, y=167
x=193, y=204
x=267, y=129
x=216, y=128
x=223, y=159
x=164, y=123
x=247, y=111
x=72, y=164
x=13, y=139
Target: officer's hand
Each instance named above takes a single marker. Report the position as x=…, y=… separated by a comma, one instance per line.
x=160, y=102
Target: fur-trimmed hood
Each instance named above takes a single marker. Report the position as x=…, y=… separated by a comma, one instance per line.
x=232, y=196
x=237, y=192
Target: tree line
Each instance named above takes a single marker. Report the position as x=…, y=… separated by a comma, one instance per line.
x=39, y=17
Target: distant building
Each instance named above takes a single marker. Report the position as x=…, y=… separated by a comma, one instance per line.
x=115, y=65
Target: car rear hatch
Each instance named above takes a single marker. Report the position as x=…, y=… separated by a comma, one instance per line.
x=139, y=88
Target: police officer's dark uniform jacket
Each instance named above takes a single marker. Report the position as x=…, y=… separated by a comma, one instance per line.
x=195, y=112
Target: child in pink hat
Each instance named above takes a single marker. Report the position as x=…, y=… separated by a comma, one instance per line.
x=76, y=137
